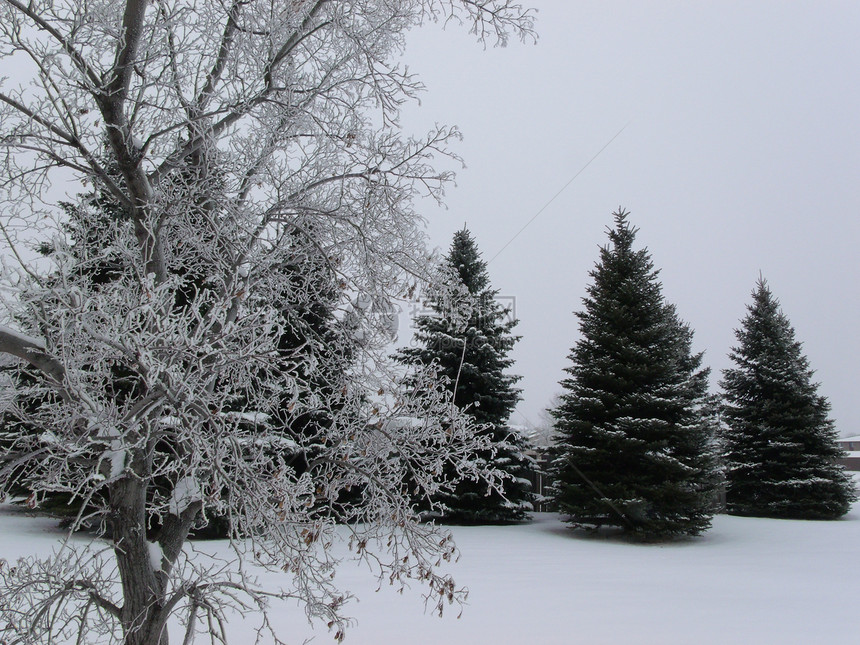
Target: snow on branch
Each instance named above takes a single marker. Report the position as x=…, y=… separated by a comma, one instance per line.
x=32, y=350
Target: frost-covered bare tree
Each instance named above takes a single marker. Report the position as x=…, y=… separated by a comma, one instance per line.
x=152, y=381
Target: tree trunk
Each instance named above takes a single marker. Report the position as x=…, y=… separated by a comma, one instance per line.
x=143, y=596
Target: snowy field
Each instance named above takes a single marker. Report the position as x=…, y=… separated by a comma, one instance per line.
x=746, y=581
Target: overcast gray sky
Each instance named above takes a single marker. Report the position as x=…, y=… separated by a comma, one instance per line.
x=740, y=154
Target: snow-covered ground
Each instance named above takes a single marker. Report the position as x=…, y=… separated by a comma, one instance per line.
x=746, y=581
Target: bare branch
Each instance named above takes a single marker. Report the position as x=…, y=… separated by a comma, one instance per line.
x=214, y=74
x=119, y=76
x=32, y=350
x=43, y=24
x=96, y=597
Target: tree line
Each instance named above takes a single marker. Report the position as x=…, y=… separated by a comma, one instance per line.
x=640, y=443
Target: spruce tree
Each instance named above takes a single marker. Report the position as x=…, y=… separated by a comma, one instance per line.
x=320, y=345
x=471, y=351
x=86, y=222
x=780, y=447
x=634, y=441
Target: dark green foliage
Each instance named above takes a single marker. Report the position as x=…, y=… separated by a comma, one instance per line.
x=780, y=446
x=471, y=351
x=315, y=342
x=85, y=228
x=634, y=440
x=321, y=346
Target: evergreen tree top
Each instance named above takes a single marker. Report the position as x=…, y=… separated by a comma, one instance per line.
x=619, y=262
x=765, y=306
x=623, y=235
x=465, y=258
x=767, y=339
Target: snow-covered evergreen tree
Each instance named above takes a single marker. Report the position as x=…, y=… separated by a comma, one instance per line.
x=634, y=443
x=780, y=447
x=467, y=335
x=318, y=344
